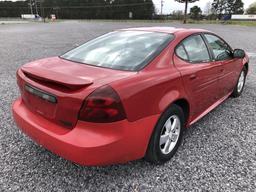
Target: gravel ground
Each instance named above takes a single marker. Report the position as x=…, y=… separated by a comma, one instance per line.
x=218, y=152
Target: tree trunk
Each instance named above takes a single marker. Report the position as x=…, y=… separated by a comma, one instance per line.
x=185, y=13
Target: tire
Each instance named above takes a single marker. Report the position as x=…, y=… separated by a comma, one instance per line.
x=160, y=153
x=240, y=84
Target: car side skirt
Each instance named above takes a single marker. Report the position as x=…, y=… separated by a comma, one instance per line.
x=209, y=109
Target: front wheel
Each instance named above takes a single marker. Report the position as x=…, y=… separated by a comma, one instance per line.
x=167, y=135
x=240, y=84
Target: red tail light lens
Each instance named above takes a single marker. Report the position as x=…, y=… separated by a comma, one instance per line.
x=102, y=106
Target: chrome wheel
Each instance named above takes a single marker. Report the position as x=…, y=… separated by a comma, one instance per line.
x=170, y=134
x=240, y=84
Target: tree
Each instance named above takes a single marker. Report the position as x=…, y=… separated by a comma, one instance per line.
x=252, y=9
x=218, y=7
x=229, y=7
x=195, y=12
x=235, y=7
x=81, y=9
x=177, y=14
x=208, y=8
x=186, y=7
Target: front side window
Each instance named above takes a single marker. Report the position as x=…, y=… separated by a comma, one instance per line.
x=193, y=48
x=221, y=50
x=123, y=50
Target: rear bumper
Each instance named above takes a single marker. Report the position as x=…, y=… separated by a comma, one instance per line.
x=88, y=143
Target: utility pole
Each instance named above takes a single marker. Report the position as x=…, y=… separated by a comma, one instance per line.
x=42, y=9
x=186, y=10
x=31, y=7
x=162, y=5
x=36, y=7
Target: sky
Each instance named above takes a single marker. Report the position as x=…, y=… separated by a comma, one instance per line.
x=171, y=5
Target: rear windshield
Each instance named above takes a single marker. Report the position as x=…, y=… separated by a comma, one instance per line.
x=122, y=50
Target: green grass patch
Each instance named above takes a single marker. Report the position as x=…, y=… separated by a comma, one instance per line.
x=230, y=22
x=190, y=21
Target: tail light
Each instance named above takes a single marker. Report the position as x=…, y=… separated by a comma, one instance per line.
x=19, y=80
x=102, y=106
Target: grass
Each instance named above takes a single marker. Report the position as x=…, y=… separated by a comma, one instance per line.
x=233, y=22
x=190, y=21
x=128, y=20
x=230, y=22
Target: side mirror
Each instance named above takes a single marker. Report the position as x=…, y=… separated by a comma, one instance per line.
x=239, y=53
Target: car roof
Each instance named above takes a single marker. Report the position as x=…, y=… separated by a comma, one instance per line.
x=171, y=30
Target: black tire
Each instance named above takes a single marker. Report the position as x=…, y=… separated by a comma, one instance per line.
x=237, y=92
x=154, y=153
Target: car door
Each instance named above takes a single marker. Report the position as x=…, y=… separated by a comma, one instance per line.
x=199, y=73
x=223, y=55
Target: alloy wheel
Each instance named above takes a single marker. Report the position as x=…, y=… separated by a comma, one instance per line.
x=240, y=84
x=170, y=134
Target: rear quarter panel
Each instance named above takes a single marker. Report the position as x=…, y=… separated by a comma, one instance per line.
x=153, y=89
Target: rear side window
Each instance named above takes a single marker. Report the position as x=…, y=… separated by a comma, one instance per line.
x=221, y=50
x=193, y=49
x=181, y=52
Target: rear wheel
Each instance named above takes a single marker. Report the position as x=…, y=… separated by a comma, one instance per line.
x=167, y=135
x=240, y=84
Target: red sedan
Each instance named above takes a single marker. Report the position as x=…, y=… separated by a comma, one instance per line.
x=128, y=94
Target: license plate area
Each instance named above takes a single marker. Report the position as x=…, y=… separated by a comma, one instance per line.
x=40, y=101
x=41, y=94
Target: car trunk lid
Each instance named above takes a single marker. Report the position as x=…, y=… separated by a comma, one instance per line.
x=69, y=83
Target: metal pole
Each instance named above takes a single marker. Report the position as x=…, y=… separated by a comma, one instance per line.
x=162, y=4
x=42, y=10
x=186, y=10
x=43, y=15
x=36, y=7
x=31, y=8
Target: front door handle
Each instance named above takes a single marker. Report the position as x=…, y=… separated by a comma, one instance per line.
x=221, y=70
x=193, y=76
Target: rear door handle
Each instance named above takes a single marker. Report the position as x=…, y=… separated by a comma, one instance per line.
x=193, y=76
x=221, y=70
